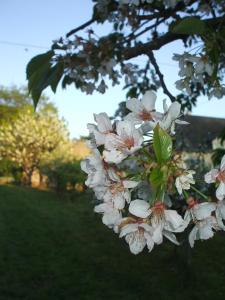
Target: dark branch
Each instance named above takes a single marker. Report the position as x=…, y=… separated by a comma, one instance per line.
x=160, y=75
x=80, y=27
x=165, y=39
x=155, y=44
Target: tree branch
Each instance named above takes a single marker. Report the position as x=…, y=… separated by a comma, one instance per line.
x=80, y=27
x=152, y=45
x=160, y=75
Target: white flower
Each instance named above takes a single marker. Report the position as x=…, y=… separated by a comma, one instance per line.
x=163, y=221
x=202, y=65
x=139, y=208
x=203, y=230
x=103, y=128
x=218, y=175
x=118, y=146
x=220, y=213
x=203, y=220
x=111, y=215
x=144, y=110
x=171, y=116
x=137, y=235
x=218, y=92
x=93, y=165
x=184, y=181
x=117, y=190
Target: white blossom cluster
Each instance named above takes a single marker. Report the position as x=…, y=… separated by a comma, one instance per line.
x=144, y=221
x=193, y=70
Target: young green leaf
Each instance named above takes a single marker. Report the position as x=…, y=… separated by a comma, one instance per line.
x=156, y=177
x=190, y=25
x=162, y=144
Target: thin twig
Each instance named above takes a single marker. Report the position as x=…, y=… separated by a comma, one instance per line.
x=160, y=75
x=80, y=27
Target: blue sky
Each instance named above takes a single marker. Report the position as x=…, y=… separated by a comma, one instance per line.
x=39, y=22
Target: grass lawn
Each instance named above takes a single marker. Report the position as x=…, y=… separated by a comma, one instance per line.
x=54, y=249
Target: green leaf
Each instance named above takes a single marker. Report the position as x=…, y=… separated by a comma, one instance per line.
x=190, y=25
x=41, y=74
x=156, y=177
x=56, y=75
x=162, y=144
x=37, y=62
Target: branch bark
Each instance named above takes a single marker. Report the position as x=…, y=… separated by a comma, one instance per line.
x=160, y=75
x=80, y=27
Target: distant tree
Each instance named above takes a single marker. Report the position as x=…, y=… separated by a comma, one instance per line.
x=14, y=99
x=31, y=136
x=138, y=28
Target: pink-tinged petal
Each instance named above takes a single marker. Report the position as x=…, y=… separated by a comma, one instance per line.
x=103, y=121
x=220, y=192
x=130, y=184
x=113, y=156
x=134, y=105
x=112, y=141
x=173, y=220
x=149, y=100
x=203, y=210
x=192, y=236
x=128, y=229
x=170, y=236
x=222, y=165
x=133, y=118
x=139, y=208
x=138, y=138
x=125, y=129
x=210, y=177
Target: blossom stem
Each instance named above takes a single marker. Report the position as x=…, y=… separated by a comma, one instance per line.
x=198, y=192
x=186, y=196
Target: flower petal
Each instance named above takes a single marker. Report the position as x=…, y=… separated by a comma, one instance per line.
x=222, y=165
x=210, y=177
x=203, y=210
x=220, y=192
x=139, y=208
x=103, y=121
x=113, y=156
x=134, y=105
x=149, y=100
x=173, y=220
x=192, y=236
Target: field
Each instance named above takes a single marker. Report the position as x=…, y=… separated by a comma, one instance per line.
x=52, y=248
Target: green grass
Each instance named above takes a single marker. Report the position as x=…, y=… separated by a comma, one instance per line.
x=55, y=249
